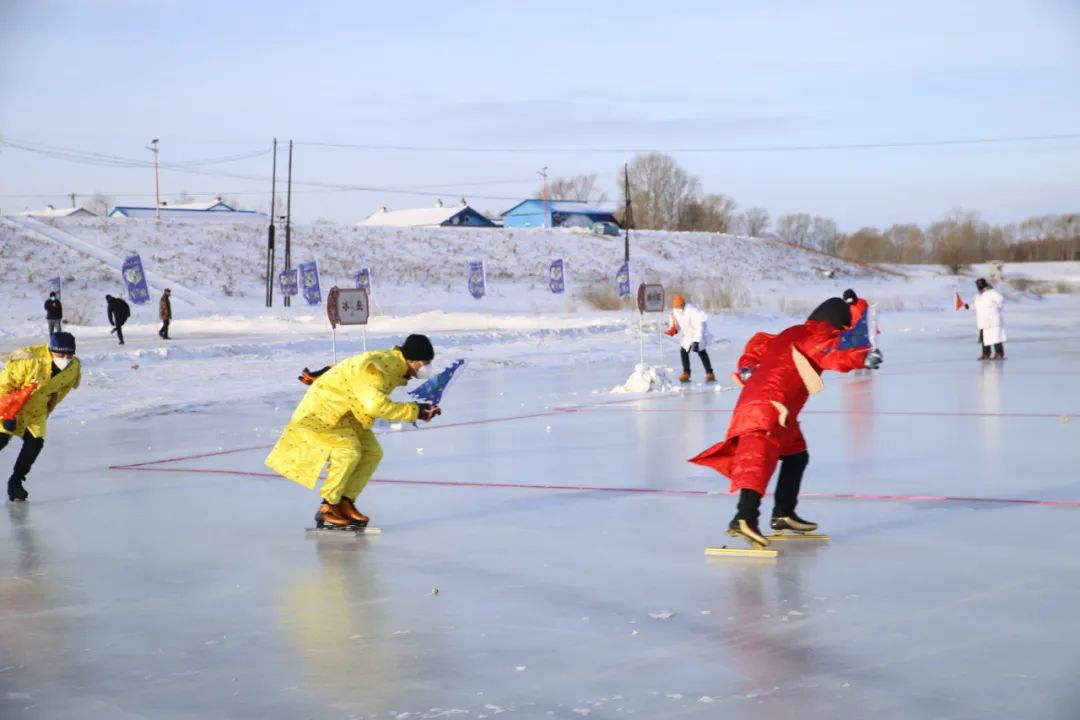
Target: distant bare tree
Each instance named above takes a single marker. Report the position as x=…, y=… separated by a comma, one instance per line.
x=866, y=245
x=659, y=191
x=709, y=213
x=578, y=187
x=794, y=228
x=908, y=243
x=824, y=235
x=754, y=222
x=100, y=204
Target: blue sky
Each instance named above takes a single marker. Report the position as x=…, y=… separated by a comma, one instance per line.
x=569, y=79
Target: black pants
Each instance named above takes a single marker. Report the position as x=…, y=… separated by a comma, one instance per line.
x=786, y=496
x=164, y=331
x=120, y=332
x=685, y=355
x=31, y=448
x=54, y=326
x=999, y=348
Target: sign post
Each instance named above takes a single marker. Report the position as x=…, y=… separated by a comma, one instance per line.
x=347, y=306
x=650, y=298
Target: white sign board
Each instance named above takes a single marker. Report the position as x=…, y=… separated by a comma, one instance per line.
x=349, y=306
x=650, y=298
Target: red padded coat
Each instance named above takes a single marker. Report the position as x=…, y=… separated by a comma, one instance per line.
x=787, y=370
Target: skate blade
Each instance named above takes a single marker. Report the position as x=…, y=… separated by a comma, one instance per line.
x=796, y=535
x=355, y=530
x=740, y=552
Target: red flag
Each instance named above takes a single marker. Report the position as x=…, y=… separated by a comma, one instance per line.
x=959, y=301
x=12, y=403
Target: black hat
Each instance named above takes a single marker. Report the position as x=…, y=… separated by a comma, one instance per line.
x=981, y=284
x=418, y=347
x=833, y=311
x=62, y=342
x=850, y=296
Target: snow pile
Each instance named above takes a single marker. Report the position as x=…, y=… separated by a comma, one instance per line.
x=647, y=378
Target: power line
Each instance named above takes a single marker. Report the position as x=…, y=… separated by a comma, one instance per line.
x=728, y=149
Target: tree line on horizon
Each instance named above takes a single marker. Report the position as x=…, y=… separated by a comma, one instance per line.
x=664, y=196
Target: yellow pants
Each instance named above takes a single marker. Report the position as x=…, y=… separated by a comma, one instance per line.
x=353, y=459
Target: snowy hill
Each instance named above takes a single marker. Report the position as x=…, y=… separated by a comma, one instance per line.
x=223, y=265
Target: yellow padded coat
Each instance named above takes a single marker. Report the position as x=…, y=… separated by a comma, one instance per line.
x=34, y=365
x=343, y=401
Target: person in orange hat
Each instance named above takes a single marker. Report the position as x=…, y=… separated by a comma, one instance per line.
x=694, y=325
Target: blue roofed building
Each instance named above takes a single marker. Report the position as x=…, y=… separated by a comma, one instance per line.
x=538, y=213
x=210, y=210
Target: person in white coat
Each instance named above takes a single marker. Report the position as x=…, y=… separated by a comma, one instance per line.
x=988, y=317
x=694, y=325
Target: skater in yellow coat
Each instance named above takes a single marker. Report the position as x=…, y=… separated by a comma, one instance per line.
x=55, y=371
x=333, y=424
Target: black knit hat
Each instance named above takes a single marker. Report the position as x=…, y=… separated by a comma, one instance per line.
x=418, y=347
x=62, y=342
x=981, y=284
x=850, y=296
x=833, y=311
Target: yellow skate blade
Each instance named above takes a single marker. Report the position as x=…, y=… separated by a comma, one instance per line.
x=740, y=552
x=797, y=536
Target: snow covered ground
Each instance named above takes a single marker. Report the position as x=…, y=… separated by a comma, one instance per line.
x=542, y=553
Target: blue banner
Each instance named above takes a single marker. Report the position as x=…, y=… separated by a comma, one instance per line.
x=858, y=336
x=477, y=281
x=287, y=281
x=363, y=279
x=432, y=390
x=557, y=277
x=622, y=280
x=309, y=278
x=56, y=286
x=135, y=280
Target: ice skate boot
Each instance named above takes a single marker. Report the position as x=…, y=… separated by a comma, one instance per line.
x=331, y=515
x=16, y=491
x=998, y=356
x=710, y=377
x=741, y=527
x=684, y=377
x=792, y=522
x=356, y=517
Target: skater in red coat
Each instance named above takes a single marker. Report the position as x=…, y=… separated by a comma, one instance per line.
x=780, y=373
x=856, y=304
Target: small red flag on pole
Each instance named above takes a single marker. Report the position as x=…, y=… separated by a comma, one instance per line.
x=959, y=301
x=13, y=402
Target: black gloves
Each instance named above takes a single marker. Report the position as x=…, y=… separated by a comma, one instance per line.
x=9, y=425
x=428, y=411
x=874, y=359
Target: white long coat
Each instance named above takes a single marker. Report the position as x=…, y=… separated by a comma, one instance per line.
x=988, y=316
x=693, y=323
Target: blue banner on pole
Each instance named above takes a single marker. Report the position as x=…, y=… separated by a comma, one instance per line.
x=858, y=336
x=557, y=277
x=135, y=280
x=288, y=282
x=363, y=279
x=477, y=281
x=622, y=280
x=309, y=277
x=432, y=390
x=56, y=286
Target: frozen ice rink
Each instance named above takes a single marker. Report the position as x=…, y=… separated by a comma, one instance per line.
x=542, y=555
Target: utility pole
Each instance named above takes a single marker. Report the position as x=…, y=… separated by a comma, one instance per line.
x=73, y=200
x=628, y=213
x=288, y=222
x=544, y=174
x=270, y=237
x=153, y=147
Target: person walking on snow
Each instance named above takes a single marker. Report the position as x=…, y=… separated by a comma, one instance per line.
x=55, y=371
x=333, y=424
x=54, y=314
x=119, y=312
x=988, y=318
x=165, y=313
x=694, y=325
x=780, y=373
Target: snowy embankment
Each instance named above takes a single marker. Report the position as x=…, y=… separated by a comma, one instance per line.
x=229, y=348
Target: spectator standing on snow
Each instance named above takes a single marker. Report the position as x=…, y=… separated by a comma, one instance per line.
x=54, y=313
x=333, y=424
x=119, y=312
x=694, y=325
x=54, y=371
x=989, y=319
x=165, y=313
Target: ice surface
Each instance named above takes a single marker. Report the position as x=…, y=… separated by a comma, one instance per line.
x=555, y=522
